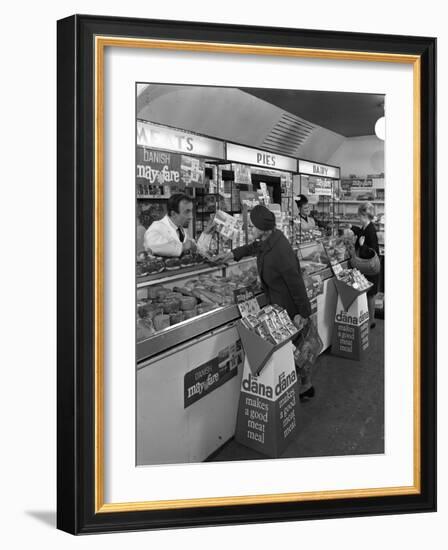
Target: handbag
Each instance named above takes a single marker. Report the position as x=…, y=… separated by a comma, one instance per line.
x=308, y=345
x=367, y=266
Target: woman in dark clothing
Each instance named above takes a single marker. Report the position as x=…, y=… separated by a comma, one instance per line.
x=366, y=241
x=278, y=268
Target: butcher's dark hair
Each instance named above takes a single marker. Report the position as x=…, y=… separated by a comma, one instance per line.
x=301, y=200
x=175, y=200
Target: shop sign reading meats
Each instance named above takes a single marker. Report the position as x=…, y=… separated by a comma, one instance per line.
x=256, y=157
x=160, y=137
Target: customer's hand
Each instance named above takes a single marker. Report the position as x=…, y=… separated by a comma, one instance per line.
x=223, y=258
x=299, y=321
x=361, y=240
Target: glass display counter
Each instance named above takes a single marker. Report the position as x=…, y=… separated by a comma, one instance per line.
x=177, y=305
x=317, y=261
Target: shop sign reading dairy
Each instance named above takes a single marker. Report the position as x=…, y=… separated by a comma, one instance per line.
x=256, y=157
x=314, y=169
x=161, y=137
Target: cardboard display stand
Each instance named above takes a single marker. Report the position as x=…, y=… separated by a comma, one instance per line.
x=258, y=351
x=269, y=401
x=351, y=324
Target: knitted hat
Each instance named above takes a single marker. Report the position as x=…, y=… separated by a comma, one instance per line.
x=262, y=218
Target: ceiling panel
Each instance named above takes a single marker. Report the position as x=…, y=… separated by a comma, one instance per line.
x=347, y=114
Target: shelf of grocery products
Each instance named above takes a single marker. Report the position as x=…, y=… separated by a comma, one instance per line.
x=344, y=201
x=350, y=220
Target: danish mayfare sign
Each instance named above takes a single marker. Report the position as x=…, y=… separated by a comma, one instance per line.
x=314, y=169
x=159, y=137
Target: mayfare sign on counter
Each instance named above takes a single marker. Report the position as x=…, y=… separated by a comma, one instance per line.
x=211, y=375
x=256, y=157
x=159, y=137
x=314, y=169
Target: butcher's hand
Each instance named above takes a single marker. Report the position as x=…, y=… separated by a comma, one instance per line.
x=189, y=244
x=210, y=225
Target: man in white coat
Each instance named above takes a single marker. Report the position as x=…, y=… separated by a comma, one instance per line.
x=167, y=237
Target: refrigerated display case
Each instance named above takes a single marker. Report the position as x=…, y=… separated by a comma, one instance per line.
x=177, y=305
x=317, y=260
x=189, y=372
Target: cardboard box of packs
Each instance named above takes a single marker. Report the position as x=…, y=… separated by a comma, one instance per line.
x=264, y=333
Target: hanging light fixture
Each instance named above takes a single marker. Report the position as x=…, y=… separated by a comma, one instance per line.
x=380, y=128
x=380, y=124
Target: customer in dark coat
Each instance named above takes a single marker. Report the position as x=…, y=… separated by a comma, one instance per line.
x=367, y=242
x=280, y=273
x=278, y=266
x=278, y=269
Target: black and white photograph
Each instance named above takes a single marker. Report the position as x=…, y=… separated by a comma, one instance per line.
x=260, y=261
x=242, y=336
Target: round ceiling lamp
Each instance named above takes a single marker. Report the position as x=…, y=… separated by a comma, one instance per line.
x=380, y=128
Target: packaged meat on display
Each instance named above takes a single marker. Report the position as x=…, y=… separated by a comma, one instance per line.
x=167, y=306
x=354, y=278
x=148, y=264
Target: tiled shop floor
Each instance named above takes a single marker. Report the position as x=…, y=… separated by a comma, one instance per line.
x=345, y=417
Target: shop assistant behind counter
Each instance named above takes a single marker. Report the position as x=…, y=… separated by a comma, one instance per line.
x=168, y=237
x=303, y=208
